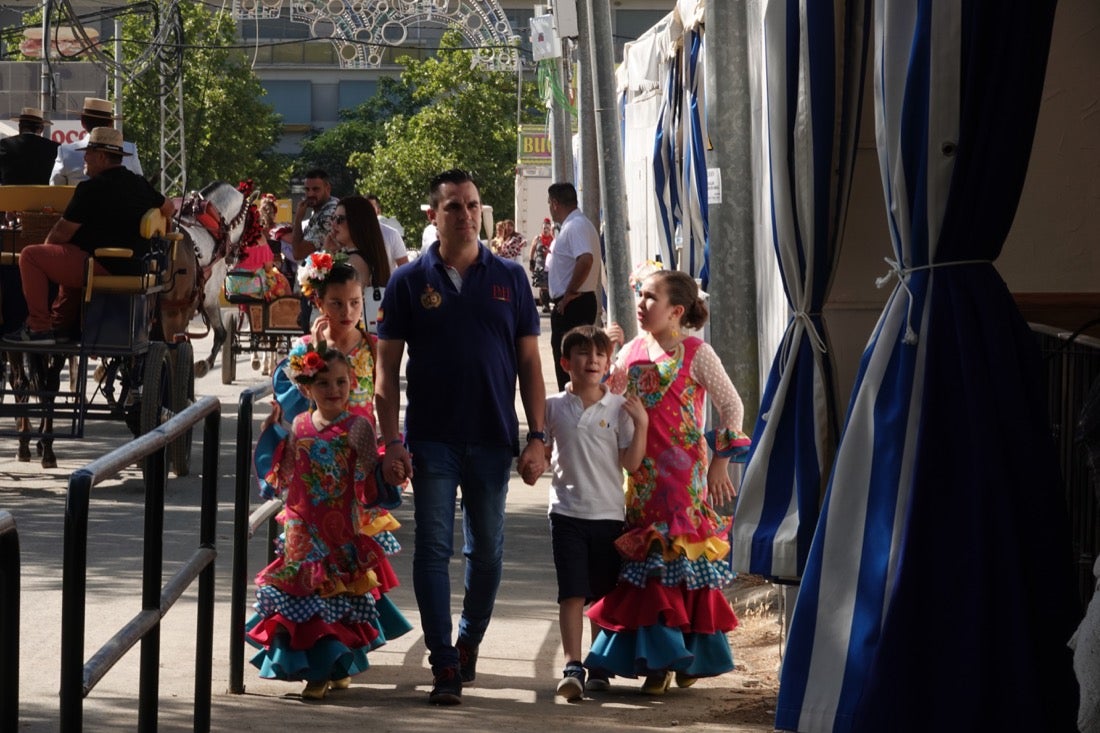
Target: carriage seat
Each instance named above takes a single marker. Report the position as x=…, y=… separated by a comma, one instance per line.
x=132, y=275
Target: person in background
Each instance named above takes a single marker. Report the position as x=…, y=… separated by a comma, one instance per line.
x=26, y=158
x=308, y=233
x=68, y=165
x=573, y=269
x=471, y=326
x=357, y=232
x=511, y=245
x=105, y=209
x=430, y=234
x=540, y=250
x=392, y=235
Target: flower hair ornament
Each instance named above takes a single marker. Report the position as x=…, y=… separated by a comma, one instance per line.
x=641, y=272
x=305, y=367
x=315, y=269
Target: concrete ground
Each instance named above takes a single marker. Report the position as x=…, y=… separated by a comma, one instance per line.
x=520, y=660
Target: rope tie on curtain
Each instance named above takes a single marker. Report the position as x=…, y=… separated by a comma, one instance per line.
x=902, y=274
x=816, y=338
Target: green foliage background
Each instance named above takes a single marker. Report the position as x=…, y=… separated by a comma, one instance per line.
x=228, y=129
x=444, y=112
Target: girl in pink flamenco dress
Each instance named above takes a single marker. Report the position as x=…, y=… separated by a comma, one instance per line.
x=667, y=617
x=316, y=615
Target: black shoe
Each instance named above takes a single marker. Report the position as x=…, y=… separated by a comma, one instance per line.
x=26, y=336
x=598, y=681
x=467, y=660
x=446, y=688
x=571, y=686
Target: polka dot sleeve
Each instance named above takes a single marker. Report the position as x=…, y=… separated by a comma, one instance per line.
x=727, y=439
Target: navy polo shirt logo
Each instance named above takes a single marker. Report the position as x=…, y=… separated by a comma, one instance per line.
x=503, y=293
x=430, y=298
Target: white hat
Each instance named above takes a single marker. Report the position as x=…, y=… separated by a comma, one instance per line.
x=95, y=107
x=31, y=114
x=104, y=138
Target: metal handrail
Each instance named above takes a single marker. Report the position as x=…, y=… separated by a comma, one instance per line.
x=243, y=530
x=79, y=678
x=9, y=623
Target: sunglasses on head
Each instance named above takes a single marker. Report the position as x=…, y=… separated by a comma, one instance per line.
x=339, y=219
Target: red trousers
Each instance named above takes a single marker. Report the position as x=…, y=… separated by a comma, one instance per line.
x=64, y=264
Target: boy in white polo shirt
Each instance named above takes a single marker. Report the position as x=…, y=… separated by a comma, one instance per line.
x=593, y=435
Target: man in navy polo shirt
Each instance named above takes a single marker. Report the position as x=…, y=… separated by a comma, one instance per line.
x=471, y=325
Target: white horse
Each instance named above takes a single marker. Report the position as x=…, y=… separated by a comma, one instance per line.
x=212, y=221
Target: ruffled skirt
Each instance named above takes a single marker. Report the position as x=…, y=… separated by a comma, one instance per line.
x=667, y=613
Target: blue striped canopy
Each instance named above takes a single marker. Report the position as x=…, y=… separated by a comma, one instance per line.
x=679, y=163
x=939, y=594
x=814, y=56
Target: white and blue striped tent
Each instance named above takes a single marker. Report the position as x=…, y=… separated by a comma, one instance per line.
x=938, y=594
x=679, y=161
x=812, y=69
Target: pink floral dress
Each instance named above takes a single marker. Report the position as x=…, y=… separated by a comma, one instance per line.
x=668, y=611
x=316, y=614
x=376, y=522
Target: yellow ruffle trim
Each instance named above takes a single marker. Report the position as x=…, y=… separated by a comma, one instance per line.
x=363, y=584
x=373, y=525
x=714, y=548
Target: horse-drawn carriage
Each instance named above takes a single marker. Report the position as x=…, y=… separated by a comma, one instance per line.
x=154, y=377
x=134, y=319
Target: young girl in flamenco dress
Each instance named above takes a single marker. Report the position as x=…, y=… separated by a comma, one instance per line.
x=667, y=617
x=315, y=604
x=337, y=292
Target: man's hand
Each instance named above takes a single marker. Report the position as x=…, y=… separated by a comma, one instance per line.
x=396, y=464
x=532, y=462
x=565, y=301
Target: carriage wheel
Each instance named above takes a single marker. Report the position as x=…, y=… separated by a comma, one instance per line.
x=183, y=396
x=156, y=395
x=229, y=357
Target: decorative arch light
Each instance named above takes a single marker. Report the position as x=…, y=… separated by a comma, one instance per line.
x=362, y=30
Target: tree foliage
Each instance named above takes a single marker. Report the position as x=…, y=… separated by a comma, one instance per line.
x=228, y=130
x=462, y=116
x=360, y=128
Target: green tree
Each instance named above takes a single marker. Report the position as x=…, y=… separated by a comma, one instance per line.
x=464, y=117
x=360, y=128
x=229, y=131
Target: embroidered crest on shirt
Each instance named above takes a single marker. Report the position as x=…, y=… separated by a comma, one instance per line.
x=430, y=298
x=500, y=292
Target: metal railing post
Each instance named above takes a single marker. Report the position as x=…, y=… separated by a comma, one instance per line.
x=243, y=488
x=79, y=678
x=9, y=623
x=73, y=588
x=204, y=635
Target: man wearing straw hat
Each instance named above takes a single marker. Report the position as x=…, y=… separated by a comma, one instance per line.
x=26, y=158
x=68, y=166
x=106, y=209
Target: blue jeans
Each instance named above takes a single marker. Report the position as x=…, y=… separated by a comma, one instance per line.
x=483, y=473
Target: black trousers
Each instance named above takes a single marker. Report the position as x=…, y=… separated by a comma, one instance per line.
x=581, y=311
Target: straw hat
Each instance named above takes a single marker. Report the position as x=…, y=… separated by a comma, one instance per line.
x=104, y=138
x=95, y=107
x=31, y=114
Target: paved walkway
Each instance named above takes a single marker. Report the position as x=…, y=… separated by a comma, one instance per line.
x=520, y=657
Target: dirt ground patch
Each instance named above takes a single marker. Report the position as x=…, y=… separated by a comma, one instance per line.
x=754, y=684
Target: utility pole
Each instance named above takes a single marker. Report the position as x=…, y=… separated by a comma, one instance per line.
x=612, y=188
x=588, y=175
x=561, y=131
x=732, y=287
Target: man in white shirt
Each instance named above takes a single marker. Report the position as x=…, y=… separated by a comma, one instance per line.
x=68, y=166
x=573, y=268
